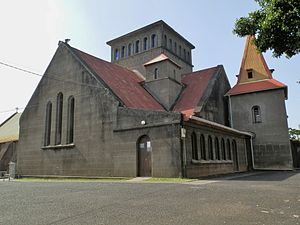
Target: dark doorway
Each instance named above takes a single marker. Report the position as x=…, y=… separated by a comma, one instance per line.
x=144, y=157
x=235, y=156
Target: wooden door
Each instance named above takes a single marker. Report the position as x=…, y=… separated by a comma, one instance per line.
x=144, y=152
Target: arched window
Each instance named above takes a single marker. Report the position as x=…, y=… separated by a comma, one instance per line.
x=59, y=110
x=202, y=147
x=145, y=43
x=235, y=156
x=234, y=148
x=155, y=73
x=129, y=49
x=179, y=50
x=256, y=114
x=137, y=46
x=47, y=137
x=223, y=153
x=116, y=54
x=210, y=148
x=228, y=150
x=175, y=48
x=123, y=52
x=170, y=44
x=166, y=41
x=194, y=146
x=153, y=40
x=217, y=149
x=70, y=121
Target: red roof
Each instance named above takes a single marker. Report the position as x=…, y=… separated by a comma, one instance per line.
x=124, y=83
x=196, y=83
x=261, y=85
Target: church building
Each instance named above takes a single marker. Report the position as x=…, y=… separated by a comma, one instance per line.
x=147, y=113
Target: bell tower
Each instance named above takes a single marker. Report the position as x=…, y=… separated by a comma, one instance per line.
x=257, y=105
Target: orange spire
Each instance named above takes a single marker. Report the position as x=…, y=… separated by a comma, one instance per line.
x=253, y=66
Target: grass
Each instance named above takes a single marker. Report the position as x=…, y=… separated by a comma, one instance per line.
x=72, y=179
x=169, y=180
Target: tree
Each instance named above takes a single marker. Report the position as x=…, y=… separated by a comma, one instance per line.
x=276, y=26
x=294, y=134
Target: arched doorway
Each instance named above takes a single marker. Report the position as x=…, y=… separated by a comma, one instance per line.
x=144, y=157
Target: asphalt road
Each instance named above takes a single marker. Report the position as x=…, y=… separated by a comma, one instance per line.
x=266, y=198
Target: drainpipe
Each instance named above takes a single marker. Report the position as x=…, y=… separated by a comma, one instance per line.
x=182, y=148
x=252, y=154
x=230, y=112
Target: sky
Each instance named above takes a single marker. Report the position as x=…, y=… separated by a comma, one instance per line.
x=31, y=30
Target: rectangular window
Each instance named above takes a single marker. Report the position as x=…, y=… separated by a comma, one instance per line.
x=250, y=74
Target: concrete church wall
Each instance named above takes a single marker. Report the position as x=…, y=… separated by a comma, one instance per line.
x=95, y=111
x=100, y=146
x=205, y=166
x=215, y=107
x=162, y=128
x=271, y=144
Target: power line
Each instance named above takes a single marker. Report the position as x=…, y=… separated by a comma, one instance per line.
x=52, y=76
x=18, y=68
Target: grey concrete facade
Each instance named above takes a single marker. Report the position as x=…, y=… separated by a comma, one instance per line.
x=105, y=135
x=195, y=140
x=221, y=151
x=213, y=106
x=167, y=41
x=271, y=143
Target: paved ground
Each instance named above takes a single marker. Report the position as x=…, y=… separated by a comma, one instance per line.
x=265, y=198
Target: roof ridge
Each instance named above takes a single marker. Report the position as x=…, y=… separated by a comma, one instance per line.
x=201, y=70
x=110, y=63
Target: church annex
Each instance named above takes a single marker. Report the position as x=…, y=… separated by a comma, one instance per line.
x=147, y=113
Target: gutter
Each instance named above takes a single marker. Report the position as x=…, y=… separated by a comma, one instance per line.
x=219, y=126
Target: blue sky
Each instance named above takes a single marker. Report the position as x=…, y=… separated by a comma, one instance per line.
x=30, y=31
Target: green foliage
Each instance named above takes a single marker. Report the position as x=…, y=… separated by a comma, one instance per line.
x=276, y=26
x=294, y=134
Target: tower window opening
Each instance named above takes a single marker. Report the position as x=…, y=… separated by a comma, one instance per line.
x=250, y=74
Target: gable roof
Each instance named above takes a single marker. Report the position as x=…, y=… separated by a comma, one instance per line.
x=262, y=79
x=9, y=129
x=196, y=84
x=124, y=83
x=160, y=58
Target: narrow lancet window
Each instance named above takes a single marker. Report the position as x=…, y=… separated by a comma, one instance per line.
x=70, y=121
x=145, y=43
x=47, y=137
x=153, y=40
x=256, y=114
x=194, y=146
x=59, y=110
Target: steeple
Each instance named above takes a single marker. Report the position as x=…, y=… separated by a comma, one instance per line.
x=253, y=66
x=254, y=74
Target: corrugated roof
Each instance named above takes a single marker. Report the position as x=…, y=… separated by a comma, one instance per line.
x=9, y=129
x=124, y=83
x=196, y=84
x=261, y=85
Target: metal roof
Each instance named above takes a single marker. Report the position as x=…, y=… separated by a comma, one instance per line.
x=9, y=129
